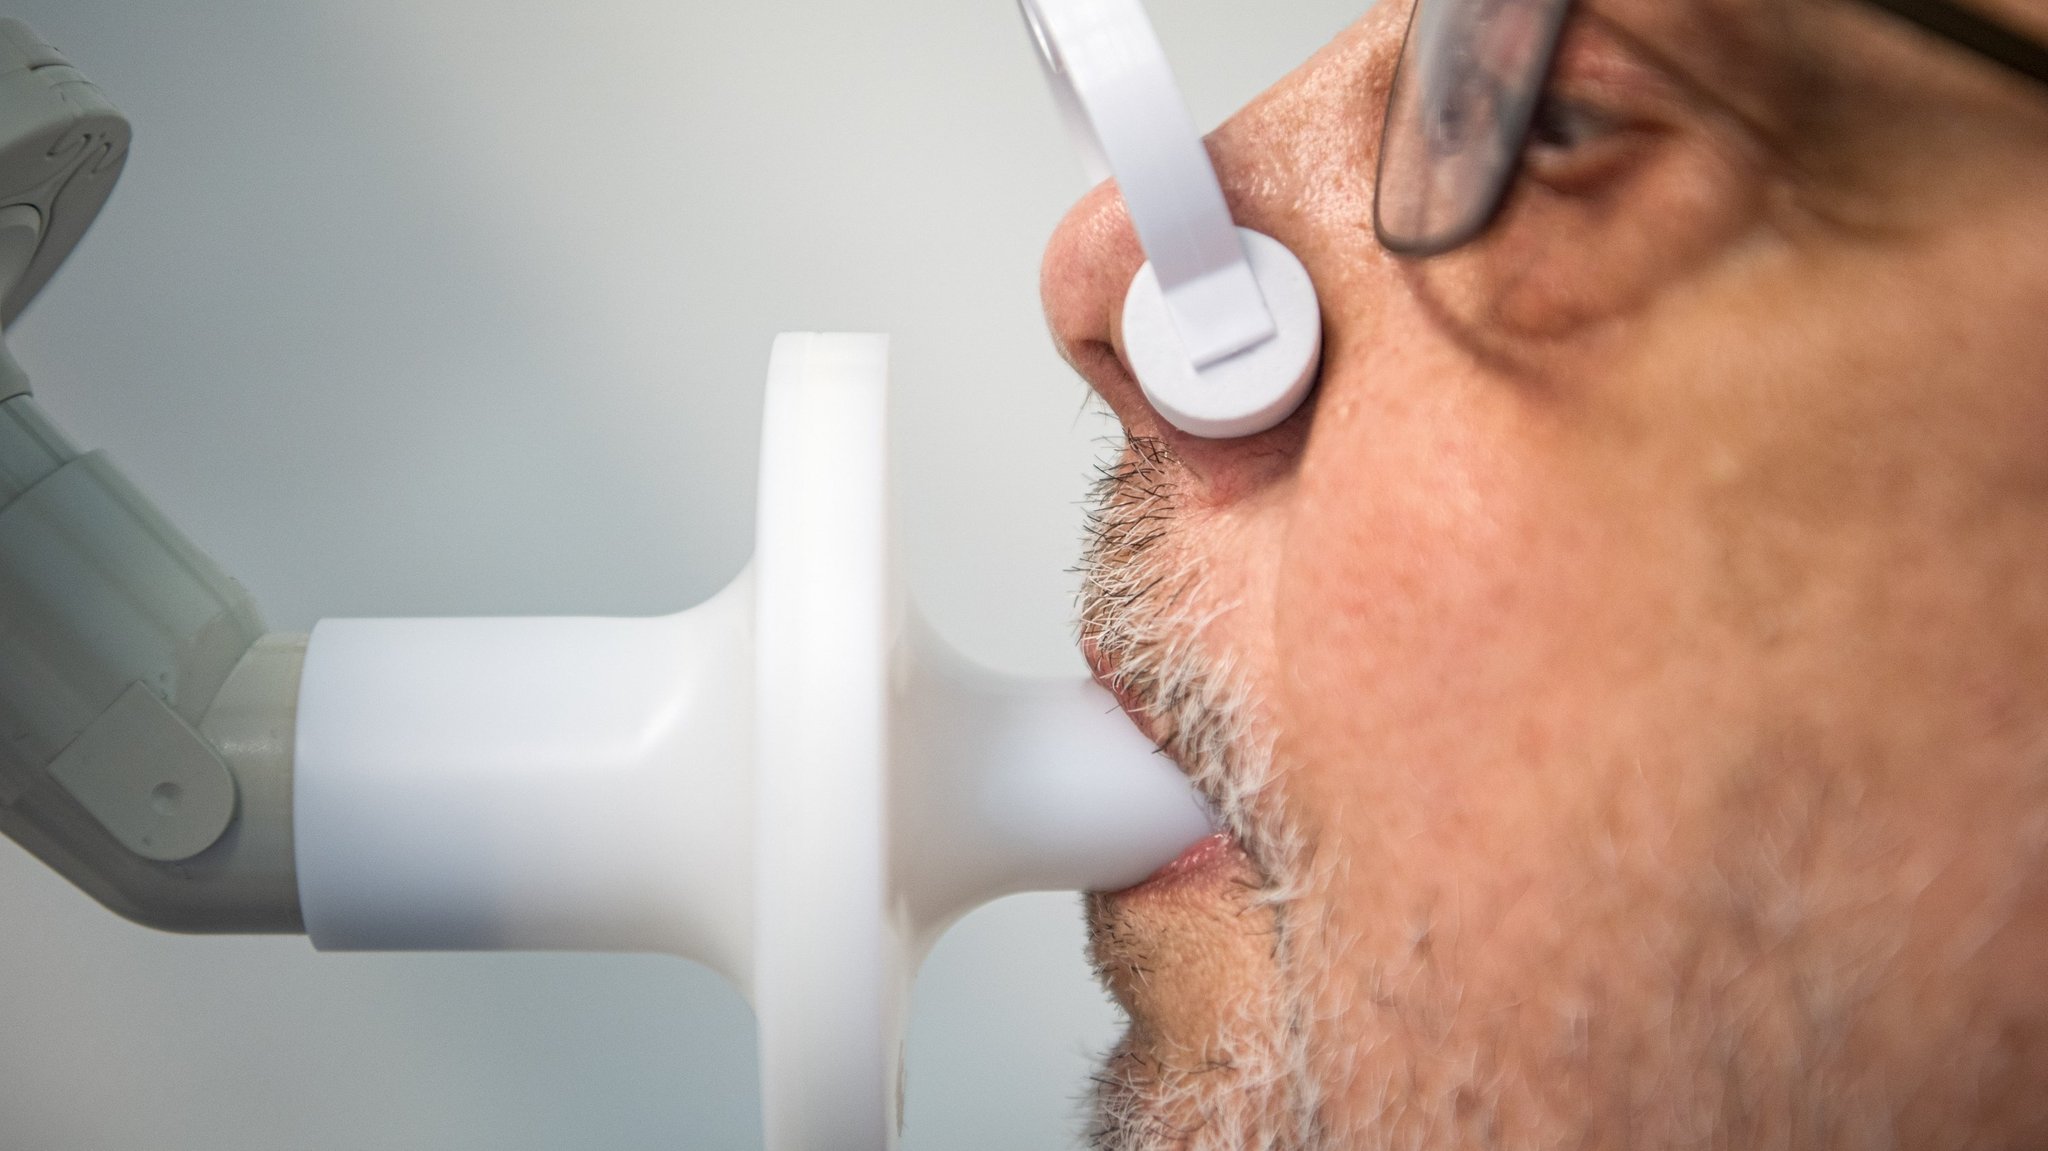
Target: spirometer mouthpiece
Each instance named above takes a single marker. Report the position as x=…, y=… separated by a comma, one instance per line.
x=1221, y=325
x=794, y=782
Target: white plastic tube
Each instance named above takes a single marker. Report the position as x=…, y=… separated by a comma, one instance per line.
x=794, y=783
x=533, y=784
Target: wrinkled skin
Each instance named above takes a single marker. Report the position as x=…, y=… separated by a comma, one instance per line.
x=1627, y=678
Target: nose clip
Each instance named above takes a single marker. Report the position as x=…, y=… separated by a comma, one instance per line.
x=1221, y=325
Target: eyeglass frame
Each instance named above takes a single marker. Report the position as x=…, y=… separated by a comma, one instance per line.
x=1981, y=35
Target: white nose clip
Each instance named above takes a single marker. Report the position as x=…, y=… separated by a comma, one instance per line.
x=1221, y=326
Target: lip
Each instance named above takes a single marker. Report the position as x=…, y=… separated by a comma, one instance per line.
x=1202, y=860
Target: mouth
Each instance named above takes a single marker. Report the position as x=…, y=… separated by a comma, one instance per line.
x=1204, y=862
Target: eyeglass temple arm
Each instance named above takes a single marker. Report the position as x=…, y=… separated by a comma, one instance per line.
x=1979, y=34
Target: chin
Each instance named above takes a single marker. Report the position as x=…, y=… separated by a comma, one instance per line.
x=1212, y=1058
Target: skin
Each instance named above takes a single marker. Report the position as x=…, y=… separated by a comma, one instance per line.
x=1626, y=679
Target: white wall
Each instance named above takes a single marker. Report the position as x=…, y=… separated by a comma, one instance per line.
x=413, y=307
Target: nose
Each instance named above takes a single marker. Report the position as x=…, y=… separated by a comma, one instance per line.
x=1089, y=265
x=1087, y=283
x=1295, y=164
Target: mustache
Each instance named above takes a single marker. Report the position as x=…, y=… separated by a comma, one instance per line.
x=1144, y=604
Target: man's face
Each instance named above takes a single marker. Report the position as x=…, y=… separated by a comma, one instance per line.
x=1626, y=681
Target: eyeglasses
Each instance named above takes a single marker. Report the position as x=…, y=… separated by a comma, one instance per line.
x=1471, y=76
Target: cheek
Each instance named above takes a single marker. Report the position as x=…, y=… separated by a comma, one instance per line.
x=1439, y=577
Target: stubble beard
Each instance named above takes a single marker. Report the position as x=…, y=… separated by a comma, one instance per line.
x=1145, y=607
x=1753, y=962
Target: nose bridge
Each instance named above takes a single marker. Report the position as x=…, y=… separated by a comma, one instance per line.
x=1310, y=143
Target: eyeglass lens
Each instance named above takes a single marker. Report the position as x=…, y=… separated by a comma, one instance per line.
x=1468, y=82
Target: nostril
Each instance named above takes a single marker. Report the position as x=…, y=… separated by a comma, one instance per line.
x=1102, y=366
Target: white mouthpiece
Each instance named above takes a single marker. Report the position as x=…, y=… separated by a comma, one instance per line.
x=794, y=782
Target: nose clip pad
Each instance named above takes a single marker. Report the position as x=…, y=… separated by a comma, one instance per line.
x=1221, y=326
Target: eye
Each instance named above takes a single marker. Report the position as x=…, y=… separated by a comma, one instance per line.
x=1562, y=125
x=1573, y=142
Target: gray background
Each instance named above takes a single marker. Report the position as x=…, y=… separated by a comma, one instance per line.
x=412, y=307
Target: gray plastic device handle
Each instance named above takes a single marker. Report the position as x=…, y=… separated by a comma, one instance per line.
x=146, y=718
